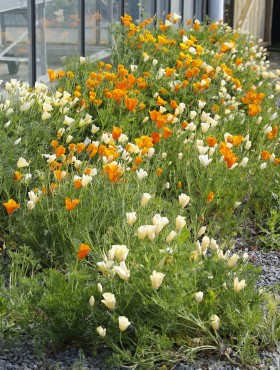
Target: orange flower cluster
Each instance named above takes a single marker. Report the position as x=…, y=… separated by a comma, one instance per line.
x=114, y=171
x=253, y=100
x=229, y=157
x=54, y=75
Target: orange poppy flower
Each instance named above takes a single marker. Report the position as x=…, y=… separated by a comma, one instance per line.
x=144, y=142
x=173, y=104
x=231, y=160
x=160, y=101
x=254, y=109
x=83, y=251
x=54, y=143
x=167, y=132
x=238, y=61
x=11, y=206
x=235, y=140
x=126, y=19
x=117, y=94
x=60, y=175
x=215, y=108
x=98, y=101
x=154, y=114
x=265, y=155
x=111, y=153
x=71, y=204
x=53, y=188
x=59, y=151
x=113, y=171
x=179, y=64
x=210, y=197
x=70, y=74
x=72, y=147
x=169, y=71
x=273, y=133
x=78, y=184
x=130, y=103
x=156, y=136
x=142, y=106
x=159, y=171
x=17, y=176
x=177, y=87
x=211, y=141
x=92, y=96
x=51, y=75
x=138, y=160
x=80, y=147
x=116, y=133
x=55, y=166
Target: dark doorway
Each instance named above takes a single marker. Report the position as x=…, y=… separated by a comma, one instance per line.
x=229, y=12
x=275, y=31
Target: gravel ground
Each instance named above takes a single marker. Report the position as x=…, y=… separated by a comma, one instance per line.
x=23, y=356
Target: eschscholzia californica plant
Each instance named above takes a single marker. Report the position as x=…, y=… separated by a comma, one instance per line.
x=123, y=323
x=170, y=236
x=198, y=297
x=109, y=300
x=233, y=260
x=184, y=200
x=119, y=252
x=83, y=251
x=186, y=113
x=180, y=222
x=122, y=271
x=71, y=204
x=156, y=279
x=21, y=163
x=215, y=322
x=145, y=199
x=210, y=197
x=238, y=285
x=101, y=331
x=11, y=206
x=131, y=218
x=91, y=301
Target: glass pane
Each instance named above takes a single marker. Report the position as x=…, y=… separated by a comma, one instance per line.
x=146, y=9
x=98, y=17
x=132, y=7
x=116, y=11
x=57, y=33
x=13, y=40
x=162, y=9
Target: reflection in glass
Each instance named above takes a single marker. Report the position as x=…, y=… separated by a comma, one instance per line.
x=98, y=17
x=132, y=7
x=57, y=34
x=13, y=40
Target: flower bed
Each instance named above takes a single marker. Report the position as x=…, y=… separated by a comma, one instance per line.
x=125, y=187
